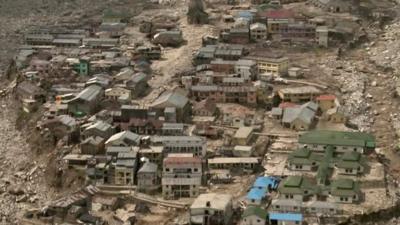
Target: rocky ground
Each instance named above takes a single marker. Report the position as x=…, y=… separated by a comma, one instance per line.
x=22, y=172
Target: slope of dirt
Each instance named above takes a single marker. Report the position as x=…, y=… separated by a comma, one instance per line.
x=25, y=171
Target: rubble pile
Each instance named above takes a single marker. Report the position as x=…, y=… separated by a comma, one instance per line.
x=351, y=84
x=385, y=51
x=21, y=179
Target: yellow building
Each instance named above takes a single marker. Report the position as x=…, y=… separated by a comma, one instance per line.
x=298, y=94
x=274, y=64
x=326, y=102
x=243, y=136
x=336, y=115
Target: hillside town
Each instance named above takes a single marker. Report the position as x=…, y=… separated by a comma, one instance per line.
x=208, y=113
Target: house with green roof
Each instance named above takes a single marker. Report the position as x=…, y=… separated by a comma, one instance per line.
x=342, y=141
x=323, y=173
x=254, y=215
x=325, y=166
x=286, y=205
x=298, y=188
x=351, y=163
x=302, y=160
x=345, y=191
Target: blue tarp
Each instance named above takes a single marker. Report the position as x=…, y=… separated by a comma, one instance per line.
x=286, y=217
x=256, y=193
x=266, y=182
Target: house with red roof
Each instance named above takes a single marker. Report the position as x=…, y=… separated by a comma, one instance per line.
x=327, y=102
x=182, y=175
x=278, y=20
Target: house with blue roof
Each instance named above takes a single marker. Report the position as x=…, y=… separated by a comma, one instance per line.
x=248, y=15
x=269, y=183
x=285, y=218
x=256, y=195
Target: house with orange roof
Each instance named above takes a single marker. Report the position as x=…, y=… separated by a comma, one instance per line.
x=327, y=102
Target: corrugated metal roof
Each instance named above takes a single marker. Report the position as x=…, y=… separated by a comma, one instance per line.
x=305, y=113
x=100, y=125
x=90, y=93
x=343, y=138
x=148, y=167
x=124, y=135
x=286, y=216
x=256, y=193
x=266, y=182
x=173, y=98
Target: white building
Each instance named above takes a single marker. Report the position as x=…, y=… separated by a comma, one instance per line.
x=246, y=68
x=211, y=208
x=182, y=144
x=258, y=31
x=182, y=175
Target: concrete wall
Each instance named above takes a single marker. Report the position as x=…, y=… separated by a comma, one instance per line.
x=286, y=208
x=345, y=199
x=342, y=149
x=295, y=197
x=303, y=167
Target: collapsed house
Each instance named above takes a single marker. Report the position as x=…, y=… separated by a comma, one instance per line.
x=196, y=13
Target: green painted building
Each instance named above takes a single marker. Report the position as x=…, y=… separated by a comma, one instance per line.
x=297, y=188
x=254, y=215
x=83, y=67
x=341, y=141
x=351, y=163
x=345, y=191
x=303, y=160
